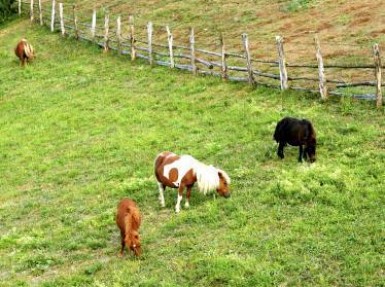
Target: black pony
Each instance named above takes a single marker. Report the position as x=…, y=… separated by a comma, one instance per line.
x=296, y=132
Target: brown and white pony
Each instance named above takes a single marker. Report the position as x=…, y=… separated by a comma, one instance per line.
x=24, y=51
x=128, y=220
x=183, y=171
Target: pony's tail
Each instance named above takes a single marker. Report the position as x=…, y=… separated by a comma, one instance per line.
x=278, y=129
x=28, y=50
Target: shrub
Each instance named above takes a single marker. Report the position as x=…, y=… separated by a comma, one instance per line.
x=6, y=9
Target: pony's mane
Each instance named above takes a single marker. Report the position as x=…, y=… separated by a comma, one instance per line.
x=207, y=177
x=28, y=49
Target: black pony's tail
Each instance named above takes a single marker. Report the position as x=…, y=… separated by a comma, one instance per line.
x=278, y=129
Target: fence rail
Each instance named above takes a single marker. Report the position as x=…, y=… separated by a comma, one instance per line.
x=230, y=66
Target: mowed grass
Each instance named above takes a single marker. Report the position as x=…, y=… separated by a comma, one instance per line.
x=80, y=130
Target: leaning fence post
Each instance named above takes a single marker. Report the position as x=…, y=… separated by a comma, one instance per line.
x=377, y=62
x=119, y=34
x=321, y=71
x=53, y=16
x=149, y=37
x=40, y=13
x=281, y=63
x=75, y=22
x=31, y=11
x=61, y=15
x=106, y=31
x=132, y=37
x=19, y=7
x=248, y=58
x=93, y=25
x=223, y=59
x=170, y=47
x=192, y=49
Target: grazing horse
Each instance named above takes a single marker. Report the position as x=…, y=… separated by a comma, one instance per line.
x=183, y=171
x=24, y=51
x=296, y=132
x=128, y=220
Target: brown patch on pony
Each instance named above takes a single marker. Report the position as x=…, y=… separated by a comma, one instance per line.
x=173, y=174
x=128, y=220
x=24, y=51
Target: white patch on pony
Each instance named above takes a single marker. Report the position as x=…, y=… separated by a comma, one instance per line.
x=183, y=165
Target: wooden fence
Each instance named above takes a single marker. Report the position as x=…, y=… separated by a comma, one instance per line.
x=230, y=66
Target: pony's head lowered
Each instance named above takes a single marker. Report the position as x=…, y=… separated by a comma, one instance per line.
x=311, y=141
x=210, y=178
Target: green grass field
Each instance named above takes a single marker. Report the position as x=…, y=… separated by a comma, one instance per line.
x=79, y=130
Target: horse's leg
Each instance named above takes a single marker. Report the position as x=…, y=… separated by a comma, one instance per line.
x=123, y=244
x=179, y=199
x=161, y=195
x=300, y=153
x=280, y=149
x=188, y=194
x=305, y=152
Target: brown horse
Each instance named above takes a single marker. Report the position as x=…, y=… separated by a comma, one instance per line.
x=24, y=51
x=296, y=133
x=128, y=220
x=183, y=171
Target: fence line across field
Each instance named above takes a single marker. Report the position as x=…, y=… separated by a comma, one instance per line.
x=198, y=60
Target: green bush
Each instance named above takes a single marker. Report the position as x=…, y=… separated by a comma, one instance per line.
x=6, y=9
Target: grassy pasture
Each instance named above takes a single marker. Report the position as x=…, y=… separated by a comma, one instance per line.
x=80, y=130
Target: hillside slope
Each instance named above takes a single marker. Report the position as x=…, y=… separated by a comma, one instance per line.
x=342, y=22
x=80, y=130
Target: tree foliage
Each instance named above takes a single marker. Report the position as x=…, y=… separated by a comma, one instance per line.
x=6, y=9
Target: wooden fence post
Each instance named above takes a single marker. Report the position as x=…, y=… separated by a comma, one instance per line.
x=149, y=37
x=106, y=31
x=321, y=71
x=53, y=16
x=93, y=24
x=281, y=63
x=223, y=59
x=248, y=58
x=19, y=7
x=192, y=49
x=75, y=22
x=119, y=34
x=31, y=11
x=377, y=62
x=40, y=13
x=132, y=37
x=61, y=15
x=170, y=47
